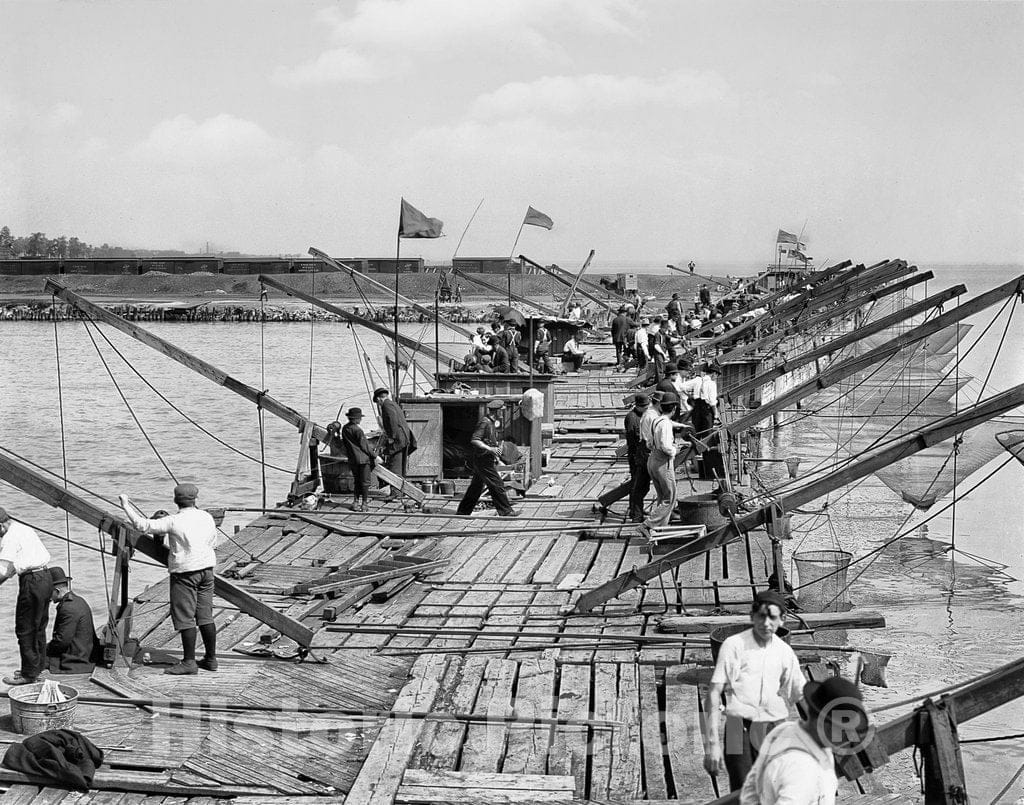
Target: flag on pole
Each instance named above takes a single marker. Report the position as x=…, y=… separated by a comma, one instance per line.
x=537, y=218
x=414, y=224
x=796, y=254
x=785, y=237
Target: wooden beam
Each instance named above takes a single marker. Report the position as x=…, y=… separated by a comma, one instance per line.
x=516, y=297
x=803, y=327
x=352, y=318
x=359, y=275
x=700, y=624
x=186, y=359
x=843, y=369
x=813, y=280
x=789, y=364
x=575, y=284
x=568, y=283
x=31, y=482
x=875, y=460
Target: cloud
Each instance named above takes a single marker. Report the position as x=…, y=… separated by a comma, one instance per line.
x=217, y=141
x=572, y=95
x=382, y=38
x=340, y=65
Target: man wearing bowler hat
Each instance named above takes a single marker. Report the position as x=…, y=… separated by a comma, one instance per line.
x=761, y=677
x=484, y=452
x=360, y=457
x=636, y=453
x=797, y=760
x=397, y=439
x=73, y=648
x=191, y=536
x=22, y=554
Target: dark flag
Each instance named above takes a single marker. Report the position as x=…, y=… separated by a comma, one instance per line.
x=785, y=237
x=537, y=218
x=414, y=224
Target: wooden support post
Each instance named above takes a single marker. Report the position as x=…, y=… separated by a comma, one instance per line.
x=116, y=632
x=940, y=748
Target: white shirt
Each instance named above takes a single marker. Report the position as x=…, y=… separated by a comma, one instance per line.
x=572, y=347
x=702, y=388
x=640, y=340
x=191, y=535
x=791, y=769
x=662, y=437
x=760, y=682
x=22, y=549
x=646, y=421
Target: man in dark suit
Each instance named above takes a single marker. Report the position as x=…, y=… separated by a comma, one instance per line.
x=73, y=647
x=620, y=330
x=397, y=437
x=360, y=457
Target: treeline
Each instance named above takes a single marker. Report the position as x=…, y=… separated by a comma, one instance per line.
x=38, y=246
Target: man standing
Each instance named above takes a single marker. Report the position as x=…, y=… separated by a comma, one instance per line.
x=797, y=760
x=659, y=347
x=397, y=437
x=641, y=403
x=675, y=312
x=191, y=536
x=512, y=339
x=660, y=464
x=360, y=457
x=484, y=452
x=22, y=554
x=620, y=328
x=640, y=345
x=702, y=394
x=761, y=677
x=73, y=647
x=542, y=349
x=705, y=296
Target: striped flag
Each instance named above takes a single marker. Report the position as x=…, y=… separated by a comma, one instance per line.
x=537, y=218
x=414, y=224
x=785, y=237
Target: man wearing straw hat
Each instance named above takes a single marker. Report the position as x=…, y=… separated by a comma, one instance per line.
x=760, y=676
x=797, y=761
x=22, y=554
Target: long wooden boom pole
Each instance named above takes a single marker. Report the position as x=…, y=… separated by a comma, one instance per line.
x=875, y=460
x=843, y=369
x=568, y=283
x=814, y=280
x=789, y=364
x=359, y=275
x=54, y=495
x=187, y=359
x=483, y=284
x=803, y=326
x=352, y=318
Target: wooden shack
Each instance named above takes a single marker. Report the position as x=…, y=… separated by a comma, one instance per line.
x=485, y=383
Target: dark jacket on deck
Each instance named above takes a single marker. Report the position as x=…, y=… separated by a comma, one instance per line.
x=357, y=448
x=64, y=757
x=620, y=328
x=396, y=430
x=73, y=647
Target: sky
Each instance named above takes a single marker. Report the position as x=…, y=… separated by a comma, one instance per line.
x=654, y=130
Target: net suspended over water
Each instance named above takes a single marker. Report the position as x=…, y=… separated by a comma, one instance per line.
x=908, y=391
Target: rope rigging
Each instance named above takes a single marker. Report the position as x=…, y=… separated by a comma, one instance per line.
x=63, y=437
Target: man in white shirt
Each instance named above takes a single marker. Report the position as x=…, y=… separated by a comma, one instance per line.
x=702, y=396
x=796, y=765
x=640, y=347
x=191, y=535
x=23, y=555
x=573, y=353
x=660, y=464
x=761, y=678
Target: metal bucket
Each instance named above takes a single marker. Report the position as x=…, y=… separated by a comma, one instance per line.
x=29, y=716
x=700, y=510
x=822, y=580
x=719, y=635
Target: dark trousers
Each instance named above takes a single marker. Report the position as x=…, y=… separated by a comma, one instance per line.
x=485, y=473
x=620, y=347
x=398, y=463
x=513, y=359
x=703, y=418
x=360, y=479
x=31, y=614
x=641, y=485
x=743, y=739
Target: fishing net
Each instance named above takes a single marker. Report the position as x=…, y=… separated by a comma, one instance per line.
x=1013, y=442
x=822, y=580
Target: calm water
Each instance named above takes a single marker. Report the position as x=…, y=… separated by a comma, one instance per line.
x=948, y=619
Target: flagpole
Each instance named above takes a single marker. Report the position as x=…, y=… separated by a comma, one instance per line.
x=508, y=269
x=398, y=253
x=437, y=336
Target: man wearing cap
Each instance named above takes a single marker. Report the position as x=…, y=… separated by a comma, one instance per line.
x=797, y=760
x=761, y=678
x=22, y=554
x=484, y=452
x=397, y=440
x=620, y=328
x=360, y=457
x=73, y=648
x=191, y=536
x=671, y=379
x=660, y=464
x=636, y=457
